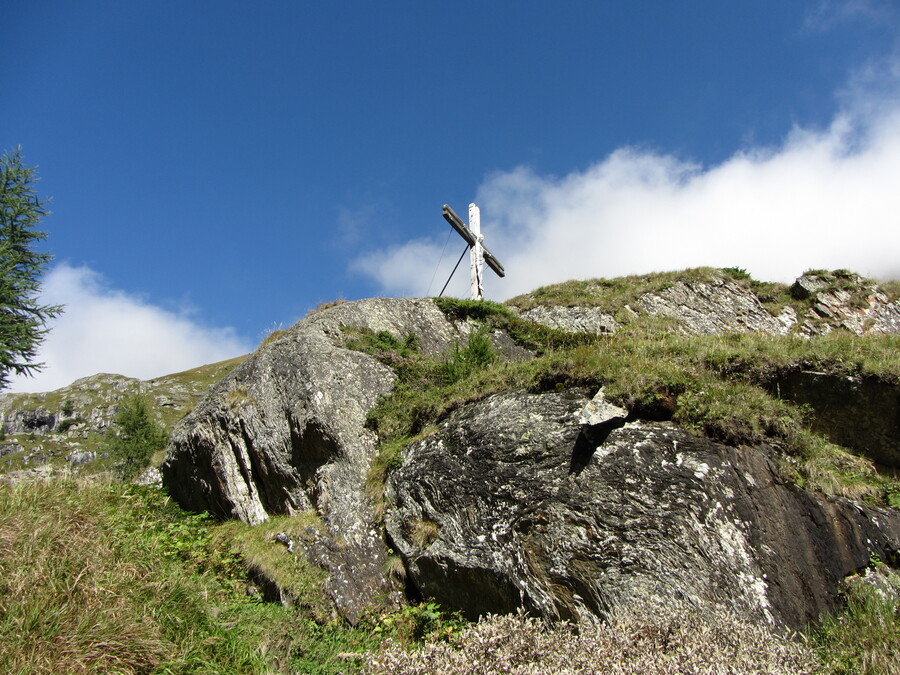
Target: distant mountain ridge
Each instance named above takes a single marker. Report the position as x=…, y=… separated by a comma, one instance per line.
x=62, y=430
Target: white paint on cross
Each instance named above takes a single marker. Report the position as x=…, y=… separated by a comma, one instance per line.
x=478, y=252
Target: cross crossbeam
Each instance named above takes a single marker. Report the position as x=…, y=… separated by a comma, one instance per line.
x=478, y=252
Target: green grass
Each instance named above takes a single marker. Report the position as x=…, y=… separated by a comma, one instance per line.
x=717, y=385
x=763, y=357
x=194, y=384
x=97, y=579
x=891, y=289
x=73, y=404
x=863, y=637
x=56, y=448
x=299, y=581
x=610, y=295
x=103, y=578
x=382, y=344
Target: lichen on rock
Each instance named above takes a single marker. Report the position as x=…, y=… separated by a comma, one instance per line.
x=553, y=501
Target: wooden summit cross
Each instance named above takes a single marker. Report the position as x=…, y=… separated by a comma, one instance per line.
x=478, y=253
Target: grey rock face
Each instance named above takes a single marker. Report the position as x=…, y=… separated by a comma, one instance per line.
x=722, y=306
x=522, y=504
x=9, y=448
x=80, y=457
x=873, y=312
x=573, y=319
x=29, y=421
x=861, y=414
x=285, y=433
x=716, y=307
x=150, y=476
x=808, y=285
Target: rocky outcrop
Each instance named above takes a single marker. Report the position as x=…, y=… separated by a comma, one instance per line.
x=847, y=301
x=30, y=421
x=720, y=304
x=90, y=403
x=516, y=501
x=285, y=433
x=557, y=502
x=573, y=319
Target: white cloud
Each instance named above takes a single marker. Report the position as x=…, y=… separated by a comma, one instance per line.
x=826, y=198
x=830, y=13
x=104, y=330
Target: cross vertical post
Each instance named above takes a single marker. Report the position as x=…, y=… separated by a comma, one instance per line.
x=476, y=254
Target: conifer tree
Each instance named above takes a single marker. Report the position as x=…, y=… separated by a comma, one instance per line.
x=23, y=319
x=134, y=437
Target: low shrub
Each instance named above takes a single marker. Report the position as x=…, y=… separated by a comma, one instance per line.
x=710, y=643
x=477, y=353
x=863, y=637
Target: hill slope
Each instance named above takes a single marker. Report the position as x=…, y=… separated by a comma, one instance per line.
x=496, y=463
x=63, y=429
x=462, y=452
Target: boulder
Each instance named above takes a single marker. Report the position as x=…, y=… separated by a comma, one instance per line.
x=572, y=319
x=286, y=432
x=516, y=501
x=79, y=457
x=717, y=306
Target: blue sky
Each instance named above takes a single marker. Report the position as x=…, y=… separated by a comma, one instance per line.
x=219, y=168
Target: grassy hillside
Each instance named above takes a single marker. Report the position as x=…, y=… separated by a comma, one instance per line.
x=720, y=386
x=79, y=414
x=100, y=577
x=103, y=578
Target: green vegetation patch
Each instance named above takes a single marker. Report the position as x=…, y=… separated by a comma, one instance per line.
x=202, y=377
x=863, y=637
x=890, y=289
x=491, y=316
x=97, y=579
x=762, y=358
x=134, y=437
x=611, y=295
x=718, y=386
x=106, y=578
x=381, y=344
x=268, y=558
